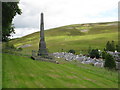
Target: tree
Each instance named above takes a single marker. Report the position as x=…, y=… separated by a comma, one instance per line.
x=9, y=10
x=109, y=61
x=71, y=51
x=108, y=46
x=118, y=48
x=94, y=53
x=103, y=54
x=112, y=46
x=97, y=54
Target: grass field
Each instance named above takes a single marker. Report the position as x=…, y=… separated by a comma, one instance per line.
x=69, y=37
x=22, y=72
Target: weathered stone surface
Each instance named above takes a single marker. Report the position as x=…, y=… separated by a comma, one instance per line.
x=26, y=45
x=115, y=55
x=83, y=59
x=39, y=58
x=118, y=65
x=99, y=64
x=42, y=45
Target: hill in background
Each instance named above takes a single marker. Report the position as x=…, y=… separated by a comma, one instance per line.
x=78, y=37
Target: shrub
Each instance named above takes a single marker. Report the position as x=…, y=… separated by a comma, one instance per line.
x=118, y=48
x=71, y=51
x=9, y=46
x=19, y=49
x=110, y=46
x=103, y=54
x=109, y=62
x=94, y=53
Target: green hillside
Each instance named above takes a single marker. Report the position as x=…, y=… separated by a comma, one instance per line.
x=22, y=72
x=78, y=37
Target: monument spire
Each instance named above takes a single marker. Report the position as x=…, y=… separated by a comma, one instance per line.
x=42, y=45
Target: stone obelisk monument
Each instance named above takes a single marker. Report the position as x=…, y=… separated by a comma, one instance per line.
x=42, y=45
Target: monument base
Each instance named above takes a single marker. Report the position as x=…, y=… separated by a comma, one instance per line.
x=47, y=59
x=43, y=52
x=43, y=57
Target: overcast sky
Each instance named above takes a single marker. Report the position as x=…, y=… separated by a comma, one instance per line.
x=62, y=12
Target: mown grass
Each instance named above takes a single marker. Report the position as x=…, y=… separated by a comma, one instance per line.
x=22, y=72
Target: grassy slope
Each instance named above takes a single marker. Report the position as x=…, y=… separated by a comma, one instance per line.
x=71, y=37
x=21, y=72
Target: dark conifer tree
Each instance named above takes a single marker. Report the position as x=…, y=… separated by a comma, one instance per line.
x=108, y=46
x=118, y=48
x=112, y=46
x=109, y=61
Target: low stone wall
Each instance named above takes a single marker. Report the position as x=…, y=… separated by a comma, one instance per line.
x=44, y=59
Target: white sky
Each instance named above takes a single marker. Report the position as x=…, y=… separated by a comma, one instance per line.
x=63, y=12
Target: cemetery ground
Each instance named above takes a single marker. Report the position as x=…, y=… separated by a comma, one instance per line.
x=23, y=72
